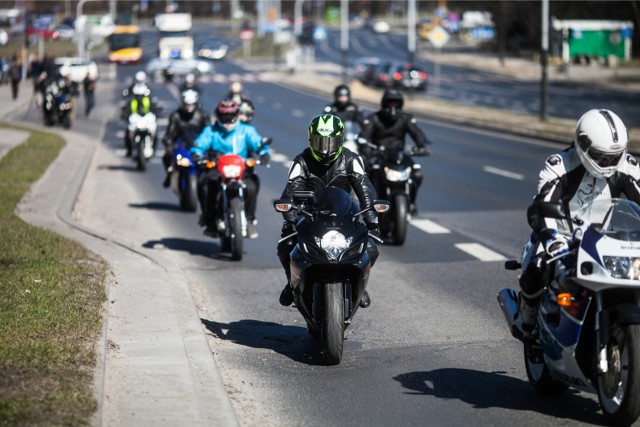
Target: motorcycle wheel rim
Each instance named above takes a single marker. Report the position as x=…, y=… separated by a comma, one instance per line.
x=614, y=383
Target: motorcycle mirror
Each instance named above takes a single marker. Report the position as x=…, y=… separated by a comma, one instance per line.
x=282, y=206
x=299, y=197
x=381, y=206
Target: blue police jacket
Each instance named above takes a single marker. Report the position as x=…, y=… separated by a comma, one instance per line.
x=241, y=140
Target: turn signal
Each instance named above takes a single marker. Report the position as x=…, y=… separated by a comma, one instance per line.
x=211, y=164
x=251, y=163
x=565, y=299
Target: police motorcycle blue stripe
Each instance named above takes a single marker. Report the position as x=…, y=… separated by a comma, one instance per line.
x=589, y=241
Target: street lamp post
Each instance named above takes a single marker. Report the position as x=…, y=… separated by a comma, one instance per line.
x=411, y=30
x=344, y=36
x=544, y=60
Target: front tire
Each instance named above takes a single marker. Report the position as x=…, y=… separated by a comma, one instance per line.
x=235, y=222
x=619, y=389
x=400, y=208
x=333, y=323
x=141, y=161
x=538, y=373
x=189, y=199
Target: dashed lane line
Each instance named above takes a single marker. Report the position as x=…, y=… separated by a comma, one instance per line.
x=428, y=226
x=502, y=172
x=478, y=251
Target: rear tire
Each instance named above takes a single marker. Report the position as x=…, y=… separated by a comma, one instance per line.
x=235, y=222
x=189, y=199
x=140, y=159
x=333, y=323
x=400, y=208
x=619, y=389
x=538, y=373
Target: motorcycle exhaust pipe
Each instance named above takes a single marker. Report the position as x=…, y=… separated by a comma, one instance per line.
x=508, y=300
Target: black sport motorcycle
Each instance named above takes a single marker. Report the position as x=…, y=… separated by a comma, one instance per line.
x=330, y=263
x=390, y=173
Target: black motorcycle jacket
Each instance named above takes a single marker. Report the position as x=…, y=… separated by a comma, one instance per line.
x=564, y=179
x=185, y=125
x=390, y=134
x=347, y=112
x=346, y=172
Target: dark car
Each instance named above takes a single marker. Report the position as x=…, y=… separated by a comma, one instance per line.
x=400, y=75
x=365, y=70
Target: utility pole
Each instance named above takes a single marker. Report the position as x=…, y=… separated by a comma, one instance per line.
x=411, y=30
x=344, y=37
x=544, y=60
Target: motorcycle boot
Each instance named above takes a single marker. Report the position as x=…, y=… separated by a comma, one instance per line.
x=286, y=296
x=252, y=233
x=525, y=319
x=365, y=301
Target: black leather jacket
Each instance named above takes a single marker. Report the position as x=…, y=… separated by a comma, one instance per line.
x=346, y=172
x=346, y=112
x=377, y=130
x=185, y=127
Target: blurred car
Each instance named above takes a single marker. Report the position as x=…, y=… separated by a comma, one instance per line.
x=365, y=70
x=76, y=68
x=65, y=32
x=377, y=26
x=400, y=75
x=213, y=49
x=44, y=33
x=179, y=67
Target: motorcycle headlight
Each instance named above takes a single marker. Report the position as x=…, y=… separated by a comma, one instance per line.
x=231, y=171
x=333, y=243
x=183, y=161
x=394, y=175
x=621, y=267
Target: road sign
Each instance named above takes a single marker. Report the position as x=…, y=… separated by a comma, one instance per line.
x=438, y=36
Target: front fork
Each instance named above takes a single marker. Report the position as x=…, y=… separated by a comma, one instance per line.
x=233, y=189
x=602, y=329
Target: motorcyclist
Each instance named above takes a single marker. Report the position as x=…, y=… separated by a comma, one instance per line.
x=236, y=92
x=57, y=84
x=324, y=163
x=141, y=103
x=190, y=83
x=187, y=122
x=246, y=111
x=138, y=77
x=386, y=129
x=595, y=167
x=228, y=135
x=343, y=107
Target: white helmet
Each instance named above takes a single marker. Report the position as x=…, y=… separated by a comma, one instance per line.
x=601, y=141
x=189, y=99
x=236, y=88
x=140, y=77
x=190, y=79
x=140, y=89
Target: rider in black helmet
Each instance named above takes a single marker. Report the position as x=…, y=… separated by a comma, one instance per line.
x=343, y=107
x=388, y=128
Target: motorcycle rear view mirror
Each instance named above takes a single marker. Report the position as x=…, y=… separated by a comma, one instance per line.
x=551, y=210
x=381, y=206
x=302, y=197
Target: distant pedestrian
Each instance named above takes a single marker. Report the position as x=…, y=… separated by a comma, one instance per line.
x=15, y=75
x=89, y=86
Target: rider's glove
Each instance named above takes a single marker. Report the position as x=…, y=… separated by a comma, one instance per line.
x=557, y=245
x=373, y=227
x=264, y=159
x=195, y=157
x=422, y=151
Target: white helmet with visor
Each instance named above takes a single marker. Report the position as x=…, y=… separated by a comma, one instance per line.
x=601, y=140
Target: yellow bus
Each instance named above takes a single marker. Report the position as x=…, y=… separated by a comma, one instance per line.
x=124, y=44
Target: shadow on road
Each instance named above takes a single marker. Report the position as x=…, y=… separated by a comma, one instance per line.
x=497, y=390
x=209, y=249
x=159, y=206
x=291, y=341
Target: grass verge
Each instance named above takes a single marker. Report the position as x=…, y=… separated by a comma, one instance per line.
x=51, y=295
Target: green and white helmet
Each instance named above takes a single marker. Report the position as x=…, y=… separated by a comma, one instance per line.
x=326, y=136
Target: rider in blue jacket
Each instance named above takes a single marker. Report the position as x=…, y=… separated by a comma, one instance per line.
x=228, y=135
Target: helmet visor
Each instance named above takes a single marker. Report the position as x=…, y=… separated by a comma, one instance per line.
x=227, y=118
x=325, y=144
x=604, y=160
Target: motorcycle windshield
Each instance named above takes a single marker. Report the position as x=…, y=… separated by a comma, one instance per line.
x=334, y=202
x=617, y=218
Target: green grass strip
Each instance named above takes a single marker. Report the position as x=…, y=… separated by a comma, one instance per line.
x=51, y=295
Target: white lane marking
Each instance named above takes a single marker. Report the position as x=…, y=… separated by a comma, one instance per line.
x=480, y=252
x=429, y=226
x=502, y=172
x=279, y=158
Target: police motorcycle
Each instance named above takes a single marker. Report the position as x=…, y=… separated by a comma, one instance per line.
x=58, y=104
x=588, y=323
x=390, y=173
x=232, y=227
x=330, y=263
